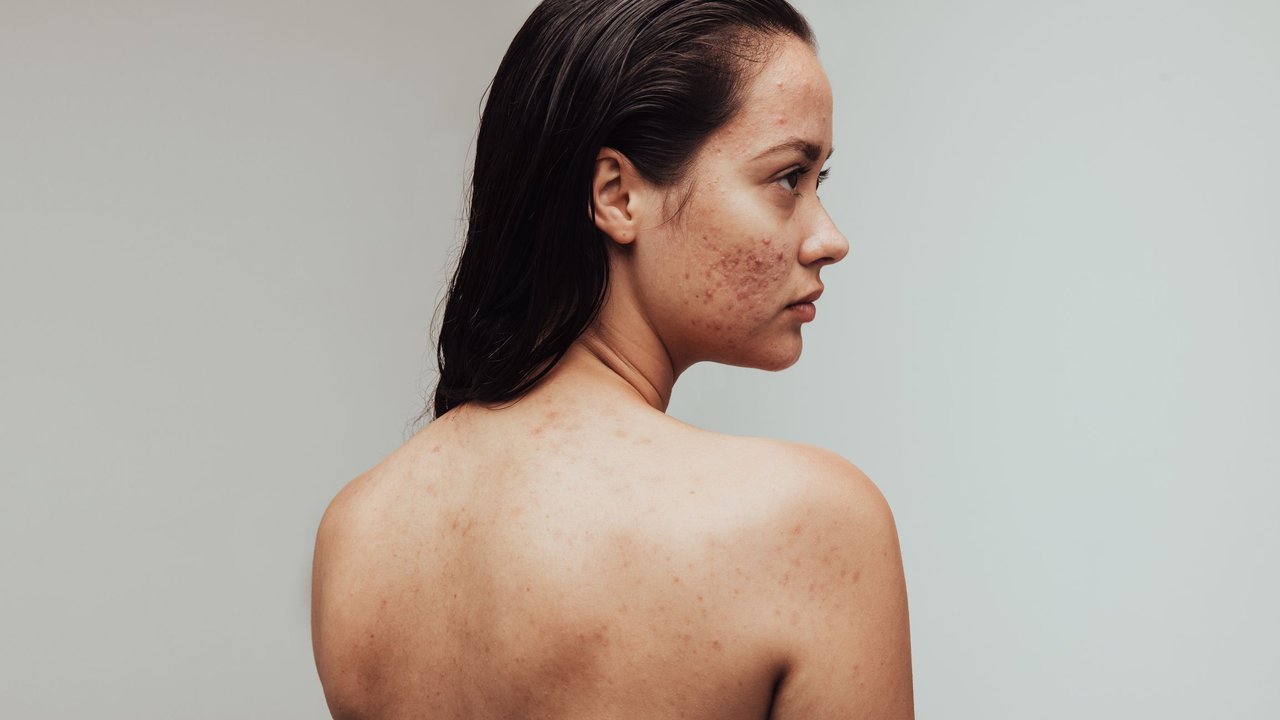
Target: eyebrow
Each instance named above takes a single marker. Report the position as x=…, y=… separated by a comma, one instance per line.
x=811, y=151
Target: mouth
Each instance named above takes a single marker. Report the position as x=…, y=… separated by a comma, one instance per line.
x=804, y=312
x=804, y=309
x=808, y=299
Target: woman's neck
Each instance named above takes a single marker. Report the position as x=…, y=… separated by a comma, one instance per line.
x=627, y=367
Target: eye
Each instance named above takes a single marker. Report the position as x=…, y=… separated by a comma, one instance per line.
x=791, y=181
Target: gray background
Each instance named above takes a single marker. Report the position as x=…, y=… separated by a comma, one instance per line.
x=1054, y=344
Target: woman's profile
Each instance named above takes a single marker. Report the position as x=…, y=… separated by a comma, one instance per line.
x=553, y=544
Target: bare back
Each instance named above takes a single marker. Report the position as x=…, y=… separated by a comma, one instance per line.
x=563, y=563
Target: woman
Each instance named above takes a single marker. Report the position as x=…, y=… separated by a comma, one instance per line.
x=553, y=544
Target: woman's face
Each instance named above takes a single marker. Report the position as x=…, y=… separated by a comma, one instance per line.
x=721, y=281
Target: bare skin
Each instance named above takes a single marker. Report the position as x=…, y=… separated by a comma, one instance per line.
x=579, y=553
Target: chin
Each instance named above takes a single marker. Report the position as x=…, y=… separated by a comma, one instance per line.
x=773, y=357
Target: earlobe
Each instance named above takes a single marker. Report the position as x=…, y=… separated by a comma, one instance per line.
x=612, y=196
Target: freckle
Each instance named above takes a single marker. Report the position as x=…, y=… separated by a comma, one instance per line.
x=715, y=645
x=435, y=449
x=620, y=433
x=686, y=276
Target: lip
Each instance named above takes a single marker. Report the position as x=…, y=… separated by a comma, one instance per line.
x=811, y=297
x=806, y=312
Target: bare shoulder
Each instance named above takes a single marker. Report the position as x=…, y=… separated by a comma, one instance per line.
x=355, y=568
x=350, y=517
x=828, y=570
x=809, y=483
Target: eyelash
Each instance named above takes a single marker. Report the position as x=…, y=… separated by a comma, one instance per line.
x=800, y=172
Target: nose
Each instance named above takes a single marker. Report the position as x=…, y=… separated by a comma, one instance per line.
x=825, y=245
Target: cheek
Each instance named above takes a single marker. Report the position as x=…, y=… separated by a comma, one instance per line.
x=740, y=281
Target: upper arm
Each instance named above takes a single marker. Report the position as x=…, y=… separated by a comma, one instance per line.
x=342, y=528
x=839, y=569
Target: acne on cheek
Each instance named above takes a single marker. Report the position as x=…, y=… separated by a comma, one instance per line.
x=744, y=278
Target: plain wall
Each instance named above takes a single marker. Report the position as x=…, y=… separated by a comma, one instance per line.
x=1054, y=344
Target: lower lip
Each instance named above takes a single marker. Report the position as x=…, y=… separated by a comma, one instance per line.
x=805, y=311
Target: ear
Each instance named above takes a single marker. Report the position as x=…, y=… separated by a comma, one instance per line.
x=616, y=196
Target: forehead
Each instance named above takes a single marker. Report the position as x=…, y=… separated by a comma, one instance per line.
x=788, y=99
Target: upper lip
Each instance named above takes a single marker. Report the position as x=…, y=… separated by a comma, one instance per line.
x=811, y=297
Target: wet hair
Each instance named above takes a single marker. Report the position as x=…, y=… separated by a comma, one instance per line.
x=652, y=79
